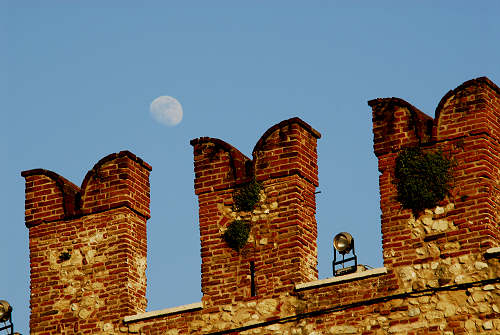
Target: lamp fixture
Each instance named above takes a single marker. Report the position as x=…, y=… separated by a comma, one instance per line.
x=6, y=317
x=343, y=243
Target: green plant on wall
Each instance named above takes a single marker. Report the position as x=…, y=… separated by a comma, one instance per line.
x=237, y=234
x=247, y=196
x=422, y=178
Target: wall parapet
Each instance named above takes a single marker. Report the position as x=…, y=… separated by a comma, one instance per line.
x=341, y=279
x=163, y=312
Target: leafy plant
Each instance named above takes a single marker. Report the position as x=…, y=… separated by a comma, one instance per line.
x=247, y=196
x=422, y=178
x=237, y=234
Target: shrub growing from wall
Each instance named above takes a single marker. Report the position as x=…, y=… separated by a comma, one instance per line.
x=422, y=178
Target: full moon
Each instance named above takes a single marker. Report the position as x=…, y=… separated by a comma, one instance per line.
x=166, y=110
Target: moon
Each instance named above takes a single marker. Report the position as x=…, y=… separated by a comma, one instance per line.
x=166, y=110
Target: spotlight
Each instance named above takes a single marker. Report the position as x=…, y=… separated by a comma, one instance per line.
x=343, y=243
x=5, y=311
x=6, y=316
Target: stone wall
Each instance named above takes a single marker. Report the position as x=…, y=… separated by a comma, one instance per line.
x=382, y=303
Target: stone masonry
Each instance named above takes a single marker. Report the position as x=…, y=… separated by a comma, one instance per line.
x=441, y=271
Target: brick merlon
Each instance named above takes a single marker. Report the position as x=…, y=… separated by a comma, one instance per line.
x=65, y=184
x=469, y=83
x=241, y=165
x=123, y=153
x=388, y=127
x=233, y=152
x=380, y=104
x=282, y=124
x=72, y=201
x=59, y=180
x=111, y=157
x=69, y=191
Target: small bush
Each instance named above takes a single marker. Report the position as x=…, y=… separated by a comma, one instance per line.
x=247, y=196
x=422, y=179
x=237, y=234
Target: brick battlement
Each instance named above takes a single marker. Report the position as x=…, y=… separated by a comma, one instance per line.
x=471, y=108
x=87, y=245
x=268, y=148
x=466, y=128
x=283, y=226
x=441, y=271
x=119, y=179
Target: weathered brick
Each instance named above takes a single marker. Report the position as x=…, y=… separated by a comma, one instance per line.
x=438, y=279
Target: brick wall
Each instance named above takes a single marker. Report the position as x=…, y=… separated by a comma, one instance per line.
x=466, y=129
x=283, y=226
x=87, y=246
x=442, y=271
x=441, y=274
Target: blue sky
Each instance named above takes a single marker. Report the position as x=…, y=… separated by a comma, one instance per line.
x=80, y=77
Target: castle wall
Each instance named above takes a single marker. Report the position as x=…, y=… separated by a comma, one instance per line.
x=441, y=271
